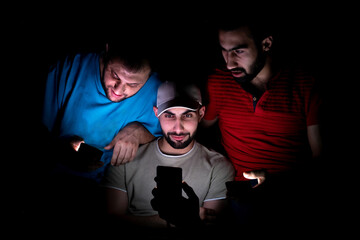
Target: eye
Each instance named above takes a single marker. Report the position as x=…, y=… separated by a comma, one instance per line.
x=167, y=115
x=114, y=75
x=133, y=85
x=188, y=115
x=238, y=51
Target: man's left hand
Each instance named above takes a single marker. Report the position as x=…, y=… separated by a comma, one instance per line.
x=125, y=147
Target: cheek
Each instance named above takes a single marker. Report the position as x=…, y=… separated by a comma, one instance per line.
x=131, y=91
x=191, y=126
x=107, y=80
x=166, y=126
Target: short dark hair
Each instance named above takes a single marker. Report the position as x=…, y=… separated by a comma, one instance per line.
x=259, y=23
x=258, y=28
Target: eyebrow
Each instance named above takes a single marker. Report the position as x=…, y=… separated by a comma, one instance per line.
x=236, y=47
x=168, y=112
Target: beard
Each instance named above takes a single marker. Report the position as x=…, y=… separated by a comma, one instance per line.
x=255, y=68
x=177, y=144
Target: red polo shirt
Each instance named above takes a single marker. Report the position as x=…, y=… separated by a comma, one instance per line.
x=274, y=135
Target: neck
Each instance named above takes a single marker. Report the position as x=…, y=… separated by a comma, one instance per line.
x=166, y=148
x=260, y=82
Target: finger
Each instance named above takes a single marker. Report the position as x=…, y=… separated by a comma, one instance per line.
x=154, y=204
x=260, y=181
x=110, y=145
x=188, y=190
x=76, y=144
x=249, y=175
x=156, y=179
x=133, y=153
x=129, y=153
x=155, y=192
x=127, y=157
x=124, y=155
x=115, y=156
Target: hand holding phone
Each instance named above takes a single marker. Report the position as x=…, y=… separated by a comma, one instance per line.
x=168, y=199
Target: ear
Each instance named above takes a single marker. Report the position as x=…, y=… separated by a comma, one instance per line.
x=106, y=47
x=155, y=110
x=267, y=43
x=201, y=113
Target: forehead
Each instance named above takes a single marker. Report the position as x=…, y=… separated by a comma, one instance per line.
x=122, y=71
x=178, y=110
x=235, y=37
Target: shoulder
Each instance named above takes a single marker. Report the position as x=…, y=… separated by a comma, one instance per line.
x=152, y=84
x=298, y=74
x=220, y=81
x=215, y=158
x=76, y=60
x=154, y=80
x=144, y=150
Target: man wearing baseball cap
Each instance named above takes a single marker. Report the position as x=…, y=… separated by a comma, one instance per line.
x=130, y=187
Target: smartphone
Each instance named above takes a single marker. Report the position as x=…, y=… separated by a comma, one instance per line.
x=239, y=188
x=169, y=181
x=89, y=152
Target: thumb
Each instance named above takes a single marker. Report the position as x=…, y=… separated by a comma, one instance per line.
x=188, y=190
x=249, y=175
x=110, y=145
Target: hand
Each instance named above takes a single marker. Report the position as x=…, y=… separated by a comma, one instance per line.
x=125, y=146
x=181, y=213
x=79, y=158
x=208, y=215
x=260, y=175
x=75, y=142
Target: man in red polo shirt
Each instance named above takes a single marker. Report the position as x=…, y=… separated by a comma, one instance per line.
x=268, y=114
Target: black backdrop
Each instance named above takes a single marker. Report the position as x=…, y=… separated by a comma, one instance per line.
x=36, y=36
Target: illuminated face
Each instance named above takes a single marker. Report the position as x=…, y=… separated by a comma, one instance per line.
x=119, y=83
x=241, y=55
x=179, y=126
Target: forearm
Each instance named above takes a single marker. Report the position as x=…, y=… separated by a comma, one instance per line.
x=139, y=131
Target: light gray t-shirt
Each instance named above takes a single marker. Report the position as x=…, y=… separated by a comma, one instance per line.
x=204, y=170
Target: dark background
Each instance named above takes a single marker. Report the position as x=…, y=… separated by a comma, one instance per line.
x=183, y=45
x=34, y=37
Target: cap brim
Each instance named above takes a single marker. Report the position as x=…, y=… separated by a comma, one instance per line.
x=178, y=103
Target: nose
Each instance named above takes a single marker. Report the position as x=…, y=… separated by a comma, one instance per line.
x=178, y=127
x=119, y=87
x=229, y=59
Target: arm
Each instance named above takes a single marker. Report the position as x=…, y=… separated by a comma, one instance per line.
x=315, y=140
x=211, y=209
x=127, y=141
x=117, y=205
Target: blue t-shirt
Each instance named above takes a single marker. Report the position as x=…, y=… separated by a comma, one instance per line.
x=76, y=104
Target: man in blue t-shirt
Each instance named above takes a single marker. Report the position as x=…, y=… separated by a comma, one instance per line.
x=103, y=100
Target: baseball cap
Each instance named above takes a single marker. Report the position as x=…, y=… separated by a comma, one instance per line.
x=172, y=95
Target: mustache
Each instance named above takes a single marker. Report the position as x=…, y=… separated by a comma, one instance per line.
x=178, y=134
x=238, y=69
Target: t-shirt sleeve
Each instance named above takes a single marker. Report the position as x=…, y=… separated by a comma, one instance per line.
x=114, y=177
x=223, y=172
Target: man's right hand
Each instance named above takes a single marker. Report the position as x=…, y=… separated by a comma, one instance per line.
x=183, y=213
